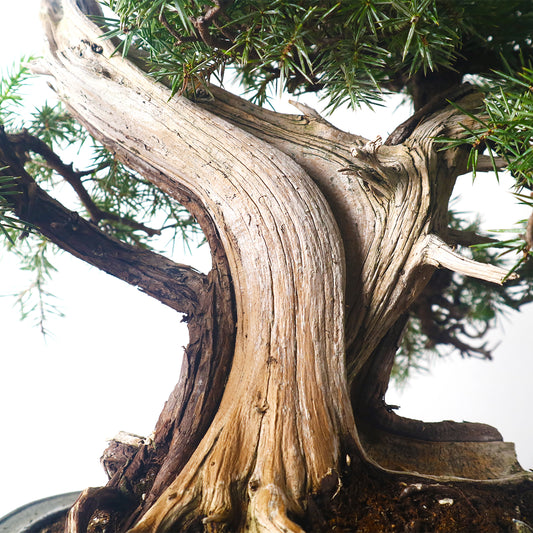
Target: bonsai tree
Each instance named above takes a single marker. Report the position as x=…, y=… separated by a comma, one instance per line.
x=330, y=252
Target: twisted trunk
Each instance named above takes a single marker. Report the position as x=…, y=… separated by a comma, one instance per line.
x=320, y=239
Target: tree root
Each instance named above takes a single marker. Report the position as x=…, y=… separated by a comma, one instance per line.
x=98, y=509
x=214, y=482
x=268, y=512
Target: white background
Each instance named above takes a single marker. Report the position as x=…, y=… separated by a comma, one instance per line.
x=61, y=398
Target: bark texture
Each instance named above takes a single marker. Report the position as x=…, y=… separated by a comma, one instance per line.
x=321, y=240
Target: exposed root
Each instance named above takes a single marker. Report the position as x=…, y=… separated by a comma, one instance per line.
x=221, y=472
x=97, y=509
x=268, y=512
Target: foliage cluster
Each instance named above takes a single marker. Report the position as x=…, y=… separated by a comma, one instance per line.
x=349, y=51
x=10, y=84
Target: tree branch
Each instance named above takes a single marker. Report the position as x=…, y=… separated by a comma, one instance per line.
x=444, y=332
x=372, y=408
x=468, y=238
x=31, y=143
x=486, y=164
x=202, y=24
x=404, y=130
x=529, y=232
x=439, y=254
x=173, y=284
x=179, y=38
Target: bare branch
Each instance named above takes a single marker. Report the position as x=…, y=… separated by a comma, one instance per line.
x=307, y=111
x=486, y=164
x=439, y=254
x=31, y=143
x=202, y=24
x=468, y=238
x=529, y=232
x=173, y=284
x=404, y=130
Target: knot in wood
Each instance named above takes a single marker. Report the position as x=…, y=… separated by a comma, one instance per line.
x=368, y=151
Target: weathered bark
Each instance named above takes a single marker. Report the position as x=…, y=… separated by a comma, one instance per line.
x=321, y=242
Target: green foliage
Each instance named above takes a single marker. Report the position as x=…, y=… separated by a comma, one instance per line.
x=35, y=301
x=8, y=223
x=413, y=355
x=349, y=51
x=505, y=133
x=506, y=127
x=11, y=84
x=128, y=197
x=54, y=126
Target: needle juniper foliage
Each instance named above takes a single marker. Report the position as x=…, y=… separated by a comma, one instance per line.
x=350, y=53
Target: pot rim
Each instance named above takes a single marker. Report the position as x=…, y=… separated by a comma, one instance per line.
x=29, y=517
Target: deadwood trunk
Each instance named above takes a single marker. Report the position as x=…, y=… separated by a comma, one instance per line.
x=321, y=240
